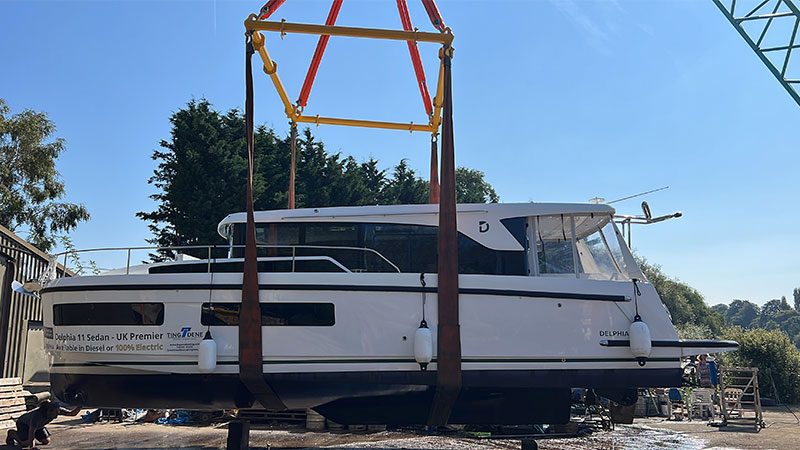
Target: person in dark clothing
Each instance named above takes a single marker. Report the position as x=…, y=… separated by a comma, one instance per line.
x=31, y=425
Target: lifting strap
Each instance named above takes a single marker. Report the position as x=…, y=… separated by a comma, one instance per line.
x=448, y=372
x=433, y=199
x=251, y=371
x=413, y=50
x=293, y=166
x=321, y=44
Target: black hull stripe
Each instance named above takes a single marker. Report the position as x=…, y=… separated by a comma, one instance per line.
x=355, y=361
x=676, y=344
x=340, y=287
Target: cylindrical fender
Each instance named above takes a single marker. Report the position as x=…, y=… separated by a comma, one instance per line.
x=423, y=345
x=641, y=343
x=207, y=354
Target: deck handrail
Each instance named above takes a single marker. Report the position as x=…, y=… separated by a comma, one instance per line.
x=210, y=248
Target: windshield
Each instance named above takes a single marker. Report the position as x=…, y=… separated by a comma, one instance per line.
x=581, y=246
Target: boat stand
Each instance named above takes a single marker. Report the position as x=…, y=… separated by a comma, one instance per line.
x=238, y=435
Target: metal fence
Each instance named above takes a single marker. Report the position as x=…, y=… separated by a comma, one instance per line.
x=208, y=255
x=19, y=261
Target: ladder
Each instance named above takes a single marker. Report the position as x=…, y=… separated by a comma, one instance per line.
x=739, y=399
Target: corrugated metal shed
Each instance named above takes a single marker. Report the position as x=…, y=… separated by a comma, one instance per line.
x=19, y=261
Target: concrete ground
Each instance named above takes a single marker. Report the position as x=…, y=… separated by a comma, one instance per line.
x=782, y=433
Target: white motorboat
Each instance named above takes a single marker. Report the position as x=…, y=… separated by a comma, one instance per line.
x=549, y=296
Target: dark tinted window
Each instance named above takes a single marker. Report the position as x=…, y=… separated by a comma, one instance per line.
x=412, y=248
x=273, y=314
x=108, y=314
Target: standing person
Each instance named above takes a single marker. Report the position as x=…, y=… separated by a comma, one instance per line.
x=31, y=425
x=704, y=372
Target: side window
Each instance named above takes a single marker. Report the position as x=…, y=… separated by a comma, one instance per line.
x=272, y=314
x=612, y=238
x=108, y=314
x=595, y=258
x=554, y=251
x=413, y=248
x=277, y=234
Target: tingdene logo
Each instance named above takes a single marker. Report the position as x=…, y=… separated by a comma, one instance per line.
x=185, y=333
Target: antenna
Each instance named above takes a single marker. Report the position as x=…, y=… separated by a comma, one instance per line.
x=636, y=195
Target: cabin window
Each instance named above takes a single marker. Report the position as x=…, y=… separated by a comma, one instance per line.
x=272, y=314
x=108, y=314
x=412, y=248
x=554, y=251
x=612, y=238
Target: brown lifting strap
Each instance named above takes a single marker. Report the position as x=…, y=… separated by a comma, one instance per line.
x=251, y=372
x=448, y=373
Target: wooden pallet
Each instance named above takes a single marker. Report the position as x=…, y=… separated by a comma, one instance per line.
x=12, y=401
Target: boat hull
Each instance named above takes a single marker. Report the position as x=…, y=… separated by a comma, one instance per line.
x=525, y=342
x=507, y=397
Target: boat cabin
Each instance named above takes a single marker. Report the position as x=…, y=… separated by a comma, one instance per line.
x=528, y=239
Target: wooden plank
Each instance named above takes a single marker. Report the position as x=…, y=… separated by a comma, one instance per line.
x=10, y=381
x=12, y=402
x=12, y=394
x=12, y=415
x=5, y=424
x=11, y=387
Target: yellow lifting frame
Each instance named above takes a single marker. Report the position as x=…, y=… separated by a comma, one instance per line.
x=254, y=25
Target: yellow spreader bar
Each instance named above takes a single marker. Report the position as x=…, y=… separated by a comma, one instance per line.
x=295, y=114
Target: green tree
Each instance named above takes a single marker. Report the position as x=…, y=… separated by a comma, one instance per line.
x=685, y=304
x=742, y=313
x=472, y=188
x=796, y=294
x=770, y=312
x=202, y=170
x=721, y=308
x=769, y=351
x=199, y=176
x=30, y=185
x=405, y=187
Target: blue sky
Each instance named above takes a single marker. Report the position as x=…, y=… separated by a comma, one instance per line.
x=555, y=101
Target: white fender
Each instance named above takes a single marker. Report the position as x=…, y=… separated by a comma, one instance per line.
x=423, y=345
x=641, y=344
x=207, y=354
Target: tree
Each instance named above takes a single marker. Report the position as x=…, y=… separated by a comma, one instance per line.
x=721, y=308
x=685, y=304
x=200, y=175
x=405, y=187
x=796, y=294
x=771, y=310
x=202, y=170
x=472, y=188
x=742, y=313
x=770, y=351
x=30, y=185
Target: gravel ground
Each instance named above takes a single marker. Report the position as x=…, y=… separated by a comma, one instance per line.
x=782, y=433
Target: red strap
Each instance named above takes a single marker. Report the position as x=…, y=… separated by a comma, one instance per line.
x=433, y=13
x=270, y=7
x=402, y=7
x=321, y=44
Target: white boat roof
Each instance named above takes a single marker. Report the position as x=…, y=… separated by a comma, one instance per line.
x=472, y=217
